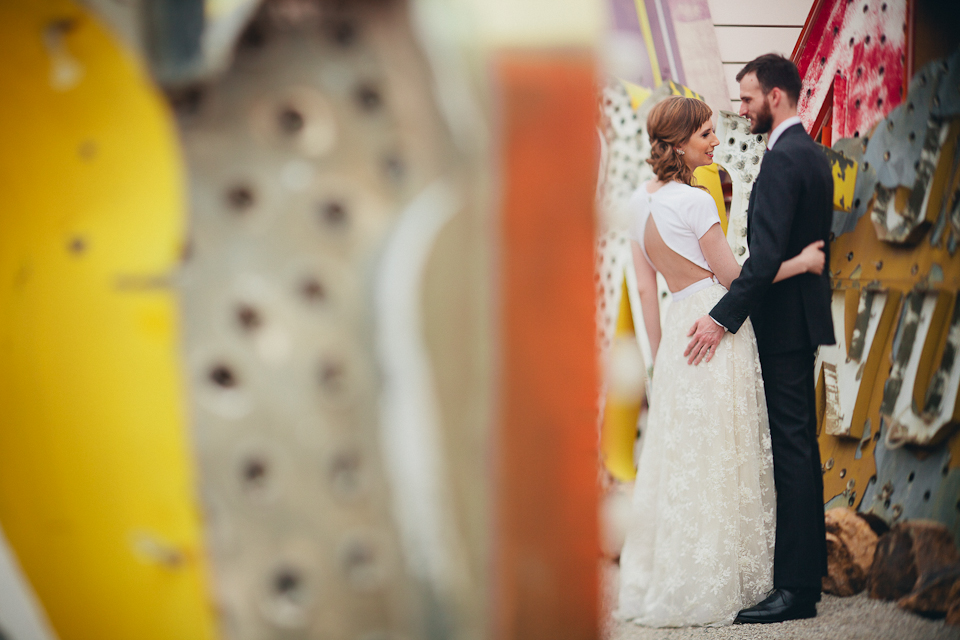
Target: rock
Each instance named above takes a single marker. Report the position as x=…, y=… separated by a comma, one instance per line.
x=932, y=595
x=851, y=543
x=878, y=524
x=844, y=576
x=855, y=532
x=953, y=611
x=909, y=550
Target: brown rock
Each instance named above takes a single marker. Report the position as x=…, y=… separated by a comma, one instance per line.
x=909, y=550
x=851, y=544
x=932, y=595
x=878, y=524
x=855, y=532
x=844, y=576
x=953, y=611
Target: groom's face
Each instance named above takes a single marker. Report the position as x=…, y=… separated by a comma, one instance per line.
x=754, y=105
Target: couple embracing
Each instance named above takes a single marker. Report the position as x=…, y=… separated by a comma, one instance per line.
x=727, y=516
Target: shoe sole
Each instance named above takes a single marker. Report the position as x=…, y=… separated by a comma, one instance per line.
x=806, y=613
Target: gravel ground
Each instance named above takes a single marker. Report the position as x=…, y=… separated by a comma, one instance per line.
x=856, y=618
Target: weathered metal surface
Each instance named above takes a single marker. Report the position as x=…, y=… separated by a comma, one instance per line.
x=919, y=405
x=864, y=186
x=896, y=458
x=904, y=215
x=896, y=147
x=949, y=201
x=946, y=502
x=862, y=44
x=907, y=486
x=854, y=361
x=947, y=102
x=844, y=179
x=739, y=154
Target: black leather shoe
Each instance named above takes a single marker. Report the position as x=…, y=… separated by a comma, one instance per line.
x=780, y=605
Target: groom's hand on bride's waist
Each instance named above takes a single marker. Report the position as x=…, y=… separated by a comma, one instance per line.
x=706, y=333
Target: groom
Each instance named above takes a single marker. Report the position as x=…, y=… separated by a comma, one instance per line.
x=791, y=206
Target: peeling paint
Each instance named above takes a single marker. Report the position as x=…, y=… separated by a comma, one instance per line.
x=864, y=49
x=864, y=184
x=936, y=274
x=909, y=484
x=904, y=220
x=849, y=371
x=844, y=179
x=925, y=317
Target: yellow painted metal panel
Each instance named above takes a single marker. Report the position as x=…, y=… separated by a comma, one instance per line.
x=637, y=93
x=624, y=314
x=618, y=438
x=709, y=177
x=844, y=181
x=619, y=431
x=96, y=483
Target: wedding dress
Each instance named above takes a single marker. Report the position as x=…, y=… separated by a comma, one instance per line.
x=699, y=543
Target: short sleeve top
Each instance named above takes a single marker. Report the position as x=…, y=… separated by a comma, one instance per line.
x=682, y=214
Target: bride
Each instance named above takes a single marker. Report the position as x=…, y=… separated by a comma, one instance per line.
x=699, y=543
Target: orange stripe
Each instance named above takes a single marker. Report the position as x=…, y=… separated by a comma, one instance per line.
x=547, y=546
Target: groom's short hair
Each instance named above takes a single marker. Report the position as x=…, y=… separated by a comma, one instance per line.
x=774, y=71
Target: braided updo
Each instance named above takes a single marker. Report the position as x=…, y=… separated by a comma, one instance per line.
x=670, y=124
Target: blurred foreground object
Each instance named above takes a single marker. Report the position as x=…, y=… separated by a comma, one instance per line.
x=96, y=481
x=274, y=415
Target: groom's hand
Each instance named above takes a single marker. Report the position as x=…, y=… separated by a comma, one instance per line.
x=706, y=336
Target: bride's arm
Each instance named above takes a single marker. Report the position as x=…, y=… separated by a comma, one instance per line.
x=811, y=259
x=649, y=298
x=720, y=258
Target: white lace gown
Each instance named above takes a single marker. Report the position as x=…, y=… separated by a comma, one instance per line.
x=699, y=545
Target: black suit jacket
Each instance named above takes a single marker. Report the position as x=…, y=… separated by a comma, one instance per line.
x=791, y=206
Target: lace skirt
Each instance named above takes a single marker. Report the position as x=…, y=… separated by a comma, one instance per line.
x=699, y=544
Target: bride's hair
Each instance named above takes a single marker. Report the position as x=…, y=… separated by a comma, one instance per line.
x=671, y=123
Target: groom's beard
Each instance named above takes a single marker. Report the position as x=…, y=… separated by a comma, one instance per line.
x=763, y=120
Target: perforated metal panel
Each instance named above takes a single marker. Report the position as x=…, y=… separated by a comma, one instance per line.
x=625, y=167
x=739, y=154
x=306, y=157
x=627, y=148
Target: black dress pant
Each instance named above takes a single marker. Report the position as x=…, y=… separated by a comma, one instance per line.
x=800, y=557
